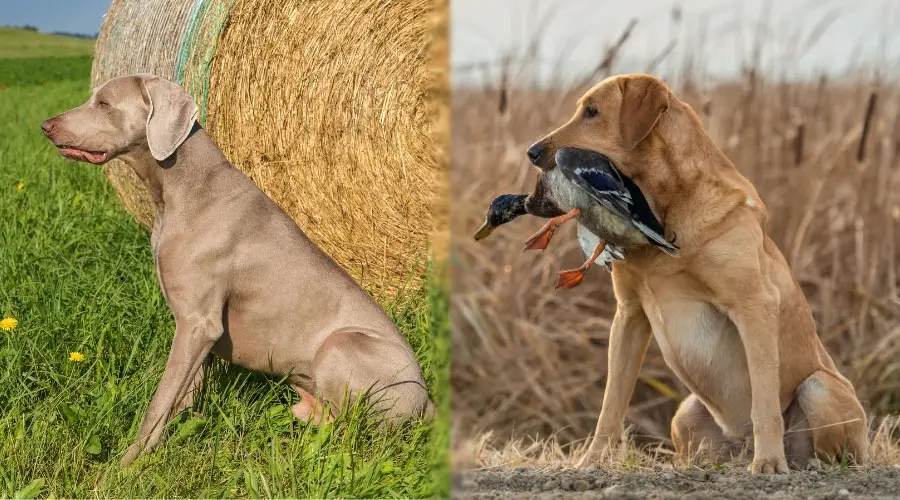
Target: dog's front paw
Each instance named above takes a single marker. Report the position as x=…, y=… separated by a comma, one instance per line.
x=588, y=459
x=769, y=465
x=131, y=454
x=600, y=447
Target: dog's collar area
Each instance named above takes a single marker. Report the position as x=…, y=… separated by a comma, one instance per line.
x=195, y=128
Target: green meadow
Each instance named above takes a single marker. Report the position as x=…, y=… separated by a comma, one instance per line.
x=91, y=336
x=18, y=43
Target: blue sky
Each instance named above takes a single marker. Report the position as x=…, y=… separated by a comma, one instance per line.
x=76, y=16
x=574, y=33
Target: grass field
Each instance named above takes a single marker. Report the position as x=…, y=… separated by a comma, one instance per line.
x=76, y=273
x=23, y=44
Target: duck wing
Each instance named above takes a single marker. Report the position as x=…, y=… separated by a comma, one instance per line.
x=595, y=174
x=645, y=220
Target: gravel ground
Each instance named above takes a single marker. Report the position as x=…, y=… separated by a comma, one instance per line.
x=522, y=482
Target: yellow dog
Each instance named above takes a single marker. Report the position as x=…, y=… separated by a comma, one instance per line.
x=728, y=314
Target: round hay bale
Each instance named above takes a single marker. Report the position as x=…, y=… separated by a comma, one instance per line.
x=325, y=105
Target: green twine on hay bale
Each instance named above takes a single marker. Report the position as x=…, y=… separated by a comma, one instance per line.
x=192, y=68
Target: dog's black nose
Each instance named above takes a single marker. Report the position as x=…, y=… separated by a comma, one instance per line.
x=47, y=127
x=535, y=152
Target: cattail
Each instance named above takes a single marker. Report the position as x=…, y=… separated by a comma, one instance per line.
x=867, y=123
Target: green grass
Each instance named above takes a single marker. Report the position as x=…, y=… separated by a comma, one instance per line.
x=45, y=70
x=77, y=273
x=24, y=44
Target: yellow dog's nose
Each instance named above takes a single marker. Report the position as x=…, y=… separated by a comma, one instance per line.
x=536, y=152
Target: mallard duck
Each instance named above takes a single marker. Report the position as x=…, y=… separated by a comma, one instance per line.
x=606, y=203
x=507, y=207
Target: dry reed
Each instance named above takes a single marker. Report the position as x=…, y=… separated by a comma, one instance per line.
x=323, y=104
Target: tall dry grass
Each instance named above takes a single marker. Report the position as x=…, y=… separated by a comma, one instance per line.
x=531, y=361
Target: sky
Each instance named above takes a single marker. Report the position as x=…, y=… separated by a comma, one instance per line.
x=73, y=16
x=572, y=34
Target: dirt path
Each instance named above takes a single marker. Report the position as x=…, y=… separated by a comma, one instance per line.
x=521, y=482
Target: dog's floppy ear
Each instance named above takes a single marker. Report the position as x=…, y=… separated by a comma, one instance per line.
x=644, y=99
x=170, y=118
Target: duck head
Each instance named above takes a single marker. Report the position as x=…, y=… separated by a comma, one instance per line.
x=503, y=209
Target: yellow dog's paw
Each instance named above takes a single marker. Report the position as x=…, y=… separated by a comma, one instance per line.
x=589, y=459
x=769, y=465
x=599, y=450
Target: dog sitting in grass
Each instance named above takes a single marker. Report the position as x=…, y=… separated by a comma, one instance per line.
x=242, y=280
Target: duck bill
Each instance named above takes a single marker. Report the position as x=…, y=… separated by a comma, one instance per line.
x=484, y=231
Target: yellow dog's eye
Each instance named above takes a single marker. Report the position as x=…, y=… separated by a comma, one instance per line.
x=590, y=112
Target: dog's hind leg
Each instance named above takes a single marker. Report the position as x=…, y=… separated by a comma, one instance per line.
x=310, y=408
x=834, y=417
x=696, y=433
x=798, y=440
x=357, y=360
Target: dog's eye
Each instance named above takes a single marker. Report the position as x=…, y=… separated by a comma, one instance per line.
x=102, y=104
x=590, y=112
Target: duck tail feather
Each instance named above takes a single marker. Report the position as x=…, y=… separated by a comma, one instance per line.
x=657, y=239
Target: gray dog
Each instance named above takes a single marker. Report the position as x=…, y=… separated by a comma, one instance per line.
x=242, y=280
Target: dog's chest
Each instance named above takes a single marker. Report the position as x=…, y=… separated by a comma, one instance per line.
x=702, y=346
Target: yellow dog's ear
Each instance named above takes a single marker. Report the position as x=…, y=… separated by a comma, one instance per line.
x=644, y=100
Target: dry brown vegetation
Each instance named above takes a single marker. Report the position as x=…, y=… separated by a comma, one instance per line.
x=530, y=361
x=485, y=451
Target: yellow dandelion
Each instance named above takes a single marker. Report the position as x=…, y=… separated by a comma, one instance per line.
x=8, y=324
x=20, y=187
x=76, y=357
